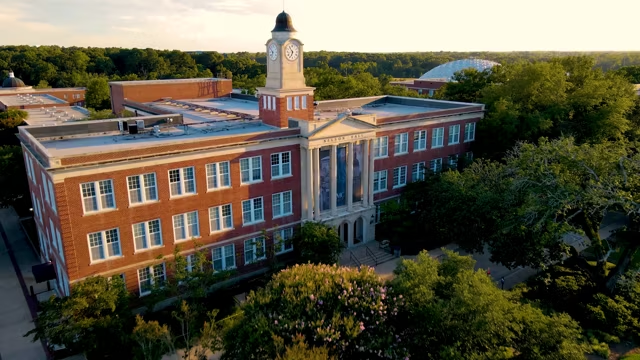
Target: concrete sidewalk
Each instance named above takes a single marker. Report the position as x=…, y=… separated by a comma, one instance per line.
x=610, y=223
x=16, y=312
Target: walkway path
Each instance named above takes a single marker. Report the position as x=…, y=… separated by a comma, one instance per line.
x=16, y=314
x=512, y=277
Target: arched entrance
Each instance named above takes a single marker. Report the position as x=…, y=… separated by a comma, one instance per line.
x=343, y=231
x=358, y=231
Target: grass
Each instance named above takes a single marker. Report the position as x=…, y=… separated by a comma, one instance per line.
x=631, y=357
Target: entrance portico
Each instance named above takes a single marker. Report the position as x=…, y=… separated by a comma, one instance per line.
x=338, y=176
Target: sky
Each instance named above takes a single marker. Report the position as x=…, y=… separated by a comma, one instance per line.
x=333, y=25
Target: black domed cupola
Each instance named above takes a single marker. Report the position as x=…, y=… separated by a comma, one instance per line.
x=284, y=23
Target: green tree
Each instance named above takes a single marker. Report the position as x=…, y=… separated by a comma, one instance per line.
x=94, y=319
x=12, y=118
x=154, y=340
x=453, y=312
x=342, y=309
x=466, y=86
x=43, y=84
x=318, y=243
x=97, y=95
x=14, y=186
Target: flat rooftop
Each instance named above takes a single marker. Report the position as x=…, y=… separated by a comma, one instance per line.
x=60, y=115
x=384, y=106
x=28, y=99
x=164, y=82
x=207, y=110
x=31, y=90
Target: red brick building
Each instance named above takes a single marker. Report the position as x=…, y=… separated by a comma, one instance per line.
x=111, y=197
x=14, y=94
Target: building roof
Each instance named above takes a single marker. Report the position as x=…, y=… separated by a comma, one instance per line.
x=284, y=23
x=12, y=82
x=51, y=116
x=447, y=70
x=29, y=99
x=164, y=82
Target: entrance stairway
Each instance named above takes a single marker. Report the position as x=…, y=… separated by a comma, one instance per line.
x=368, y=254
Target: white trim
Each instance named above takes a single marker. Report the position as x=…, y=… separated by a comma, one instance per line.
x=104, y=245
x=223, y=257
x=254, y=249
x=152, y=277
x=186, y=232
x=182, y=182
x=399, y=177
x=281, y=204
x=401, y=146
x=142, y=189
x=250, y=168
x=215, y=174
x=280, y=165
x=147, y=235
x=377, y=147
x=97, y=190
x=221, y=218
x=377, y=176
x=252, y=210
x=437, y=134
x=282, y=233
x=420, y=138
x=454, y=135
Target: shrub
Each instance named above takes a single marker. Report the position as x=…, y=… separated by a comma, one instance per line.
x=318, y=243
x=343, y=309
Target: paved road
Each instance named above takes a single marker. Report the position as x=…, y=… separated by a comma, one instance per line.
x=16, y=316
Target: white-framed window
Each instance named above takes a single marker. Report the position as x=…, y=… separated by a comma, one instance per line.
x=289, y=105
x=53, y=235
x=252, y=211
x=151, y=276
x=273, y=102
x=280, y=164
x=296, y=103
x=254, y=250
x=380, y=147
x=46, y=190
x=469, y=156
x=97, y=196
x=104, y=244
x=265, y=102
x=185, y=226
x=435, y=165
x=420, y=140
x=26, y=165
x=454, y=134
x=401, y=144
x=283, y=240
x=147, y=234
x=469, y=132
x=251, y=170
x=224, y=257
x=304, y=101
x=417, y=171
x=437, y=138
x=221, y=218
x=52, y=196
x=218, y=175
x=281, y=204
x=142, y=188
x=399, y=176
x=453, y=161
x=380, y=181
x=191, y=260
x=182, y=181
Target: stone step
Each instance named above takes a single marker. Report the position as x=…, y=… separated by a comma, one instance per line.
x=380, y=257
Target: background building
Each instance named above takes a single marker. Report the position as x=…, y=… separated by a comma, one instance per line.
x=437, y=77
x=199, y=162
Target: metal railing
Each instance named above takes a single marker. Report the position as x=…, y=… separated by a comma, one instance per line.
x=353, y=258
x=370, y=253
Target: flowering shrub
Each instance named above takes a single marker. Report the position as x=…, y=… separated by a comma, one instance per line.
x=342, y=309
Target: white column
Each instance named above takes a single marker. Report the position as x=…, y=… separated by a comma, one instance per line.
x=371, y=168
x=309, y=185
x=350, y=176
x=334, y=179
x=351, y=227
x=364, y=175
x=316, y=183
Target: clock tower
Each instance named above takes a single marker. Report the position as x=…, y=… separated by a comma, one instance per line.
x=285, y=95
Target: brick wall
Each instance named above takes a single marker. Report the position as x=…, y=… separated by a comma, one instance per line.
x=280, y=116
x=211, y=88
x=413, y=157
x=75, y=234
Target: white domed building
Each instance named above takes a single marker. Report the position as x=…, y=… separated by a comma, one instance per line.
x=435, y=78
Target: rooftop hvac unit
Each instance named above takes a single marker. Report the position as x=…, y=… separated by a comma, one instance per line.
x=156, y=130
x=122, y=125
x=133, y=129
x=140, y=124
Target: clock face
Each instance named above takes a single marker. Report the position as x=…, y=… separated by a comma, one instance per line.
x=273, y=51
x=292, y=51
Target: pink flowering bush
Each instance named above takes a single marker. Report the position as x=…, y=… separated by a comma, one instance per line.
x=344, y=310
